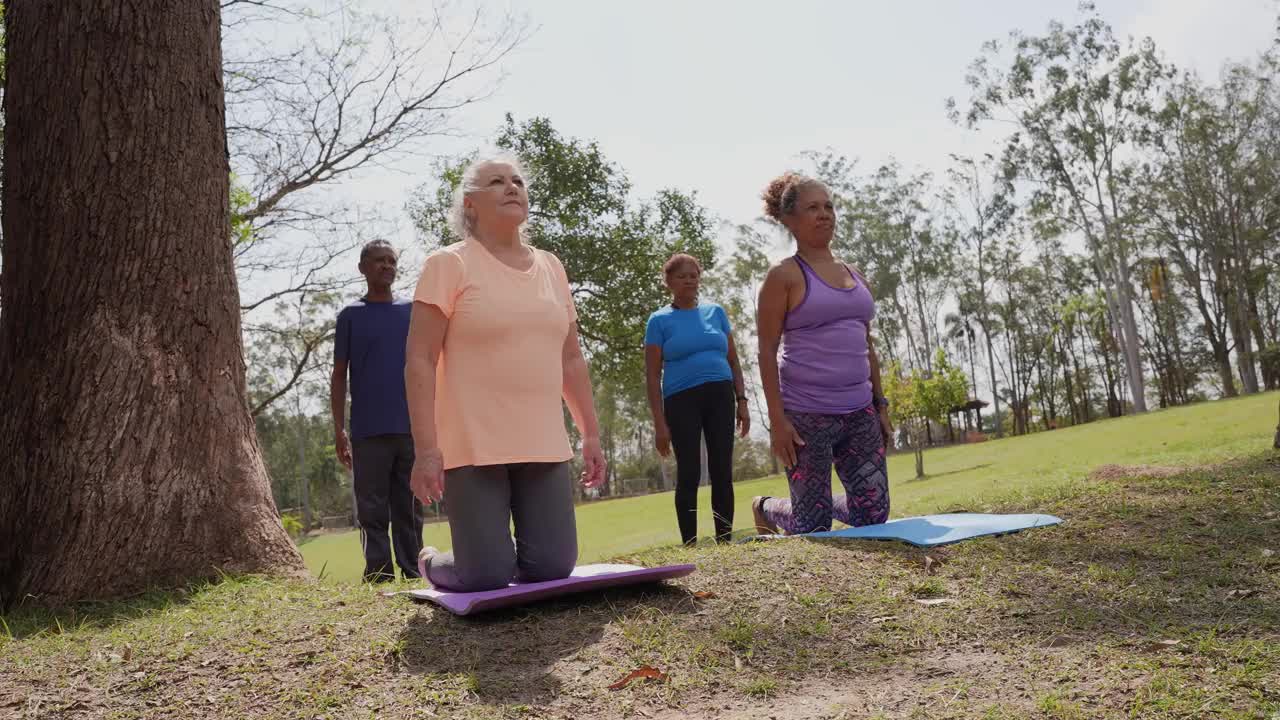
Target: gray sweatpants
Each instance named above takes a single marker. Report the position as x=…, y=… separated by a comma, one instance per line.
x=482, y=502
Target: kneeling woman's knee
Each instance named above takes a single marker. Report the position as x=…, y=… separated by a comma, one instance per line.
x=490, y=576
x=551, y=564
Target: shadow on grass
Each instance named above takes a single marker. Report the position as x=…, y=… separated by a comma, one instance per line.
x=28, y=620
x=509, y=655
x=934, y=476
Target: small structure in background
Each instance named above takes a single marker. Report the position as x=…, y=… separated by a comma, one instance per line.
x=971, y=412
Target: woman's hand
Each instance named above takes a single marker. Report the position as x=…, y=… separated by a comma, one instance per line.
x=662, y=438
x=427, y=478
x=744, y=418
x=785, y=442
x=592, y=463
x=886, y=427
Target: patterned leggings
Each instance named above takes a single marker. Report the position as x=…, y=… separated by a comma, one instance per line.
x=854, y=444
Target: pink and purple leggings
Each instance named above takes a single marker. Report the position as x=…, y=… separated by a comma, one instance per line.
x=852, y=443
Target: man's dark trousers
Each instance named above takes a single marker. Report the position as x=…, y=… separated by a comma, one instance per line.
x=382, y=464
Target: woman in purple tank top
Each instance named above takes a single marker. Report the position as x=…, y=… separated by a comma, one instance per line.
x=823, y=389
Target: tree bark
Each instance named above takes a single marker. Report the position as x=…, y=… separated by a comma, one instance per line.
x=919, y=450
x=127, y=451
x=995, y=389
x=1129, y=338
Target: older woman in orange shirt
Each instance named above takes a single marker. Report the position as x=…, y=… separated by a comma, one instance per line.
x=493, y=347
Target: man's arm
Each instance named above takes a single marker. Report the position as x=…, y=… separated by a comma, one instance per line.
x=338, y=388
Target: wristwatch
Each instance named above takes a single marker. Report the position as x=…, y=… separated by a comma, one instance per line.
x=880, y=401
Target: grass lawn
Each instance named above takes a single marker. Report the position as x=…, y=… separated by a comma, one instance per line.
x=1158, y=598
x=966, y=476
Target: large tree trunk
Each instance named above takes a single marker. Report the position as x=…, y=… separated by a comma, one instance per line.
x=127, y=453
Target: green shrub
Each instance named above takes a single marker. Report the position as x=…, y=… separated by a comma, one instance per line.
x=292, y=524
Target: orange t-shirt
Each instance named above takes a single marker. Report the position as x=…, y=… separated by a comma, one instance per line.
x=500, y=377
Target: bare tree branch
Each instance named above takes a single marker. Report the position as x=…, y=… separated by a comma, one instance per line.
x=349, y=105
x=340, y=92
x=300, y=367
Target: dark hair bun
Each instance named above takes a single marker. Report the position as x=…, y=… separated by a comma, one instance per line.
x=780, y=196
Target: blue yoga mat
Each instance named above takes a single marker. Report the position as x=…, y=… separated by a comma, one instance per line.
x=931, y=530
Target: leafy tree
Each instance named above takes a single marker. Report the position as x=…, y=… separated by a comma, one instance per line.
x=918, y=397
x=1214, y=207
x=1079, y=102
x=980, y=198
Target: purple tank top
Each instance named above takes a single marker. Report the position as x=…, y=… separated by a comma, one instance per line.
x=824, y=366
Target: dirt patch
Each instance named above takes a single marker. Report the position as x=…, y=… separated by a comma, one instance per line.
x=1134, y=472
x=907, y=687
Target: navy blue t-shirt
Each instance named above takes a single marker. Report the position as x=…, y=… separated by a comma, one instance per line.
x=371, y=337
x=695, y=346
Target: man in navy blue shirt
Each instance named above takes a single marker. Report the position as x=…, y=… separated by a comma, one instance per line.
x=369, y=344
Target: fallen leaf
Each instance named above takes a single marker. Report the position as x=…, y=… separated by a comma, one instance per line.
x=883, y=618
x=1268, y=552
x=1163, y=645
x=704, y=595
x=645, y=672
x=936, y=601
x=128, y=652
x=187, y=635
x=1241, y=594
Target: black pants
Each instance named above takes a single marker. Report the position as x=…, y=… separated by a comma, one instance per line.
x=703, y=410
x=382, y=464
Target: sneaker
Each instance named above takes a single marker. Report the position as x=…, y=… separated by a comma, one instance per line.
x=424, y=561
x=763, y=526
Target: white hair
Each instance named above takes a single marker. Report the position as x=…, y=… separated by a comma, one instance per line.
x=461, y=222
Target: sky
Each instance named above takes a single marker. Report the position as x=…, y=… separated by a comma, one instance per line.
x=717, y=97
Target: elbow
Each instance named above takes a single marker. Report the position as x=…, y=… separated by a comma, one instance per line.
x=418, y=370
x=652, y=381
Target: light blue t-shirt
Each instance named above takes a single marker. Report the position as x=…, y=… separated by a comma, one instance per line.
x=695, y=346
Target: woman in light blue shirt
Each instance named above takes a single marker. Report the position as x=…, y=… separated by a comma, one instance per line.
x=695, y=390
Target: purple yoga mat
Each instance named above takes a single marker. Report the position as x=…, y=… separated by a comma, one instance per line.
x=584, y=578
